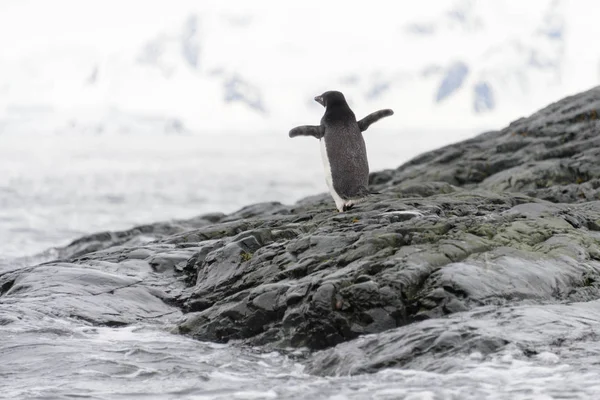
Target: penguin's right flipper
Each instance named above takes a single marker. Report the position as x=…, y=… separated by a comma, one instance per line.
x=364, y=123
x=308, y=130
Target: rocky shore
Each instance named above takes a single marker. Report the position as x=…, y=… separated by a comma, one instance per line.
x=473, y=246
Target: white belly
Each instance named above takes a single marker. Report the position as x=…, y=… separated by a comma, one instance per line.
x=339, y=202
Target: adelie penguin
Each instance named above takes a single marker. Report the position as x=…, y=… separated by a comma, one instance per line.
x=342, y=148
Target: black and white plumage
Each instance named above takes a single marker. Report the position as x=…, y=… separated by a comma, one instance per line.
x=343, y=149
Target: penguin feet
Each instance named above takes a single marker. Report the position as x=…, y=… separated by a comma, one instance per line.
x=347, y=207
x=344, y=206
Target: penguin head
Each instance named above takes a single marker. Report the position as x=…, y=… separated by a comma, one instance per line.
x=331, y=98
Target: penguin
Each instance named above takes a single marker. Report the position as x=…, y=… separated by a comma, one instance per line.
x=343, y=149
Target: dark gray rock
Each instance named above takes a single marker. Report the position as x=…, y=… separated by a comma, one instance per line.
x=506, y=220
x=453, y=229
x=342, y=275
x=444, y=345
x=548, y=155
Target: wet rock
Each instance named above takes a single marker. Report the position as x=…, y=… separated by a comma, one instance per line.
x=449, y=231
x=96, y=293
x=137, y=236
x=354, y=277
x=506, y=220
x=444, y=344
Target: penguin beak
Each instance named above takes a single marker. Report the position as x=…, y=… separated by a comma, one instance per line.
x=319, y=99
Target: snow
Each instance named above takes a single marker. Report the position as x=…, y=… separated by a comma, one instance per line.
x=236, y=65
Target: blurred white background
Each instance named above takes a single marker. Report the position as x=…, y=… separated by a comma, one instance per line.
x=115, y=113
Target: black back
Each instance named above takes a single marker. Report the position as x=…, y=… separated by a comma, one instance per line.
x=345, y=145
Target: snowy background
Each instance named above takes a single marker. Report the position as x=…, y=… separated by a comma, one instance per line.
x=122, y=112
x=115, y=113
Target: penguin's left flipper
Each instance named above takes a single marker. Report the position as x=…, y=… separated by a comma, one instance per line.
x=364, y=123
x=308, y=130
